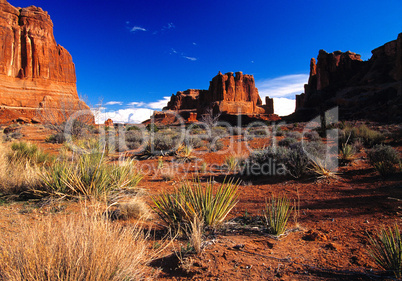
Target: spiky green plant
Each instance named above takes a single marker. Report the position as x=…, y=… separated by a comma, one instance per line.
x=386, y=249
x=276, y=213
x=212, y=207
x=89, y=176
x=192, y=199
x=28, y=151
x=347, y=153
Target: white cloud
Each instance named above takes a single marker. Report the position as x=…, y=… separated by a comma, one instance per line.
x=137, y=28
x=283, y=86
x=159, y=104
x=283, y=89
x=128, y=115
x=194, y=44
x=284, y=106
x=137, y=104
x=190, y=58
x=114, y=103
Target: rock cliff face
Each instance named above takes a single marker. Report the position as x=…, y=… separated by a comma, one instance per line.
x=228, y=94
x=369, y=90
x=34, y=69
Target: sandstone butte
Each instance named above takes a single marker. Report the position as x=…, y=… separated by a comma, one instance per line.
x=37, y=76
x=229, y=94
x=369, y=90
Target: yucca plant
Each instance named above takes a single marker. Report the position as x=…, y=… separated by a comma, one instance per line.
x=212, y=208
x=386, y=249
x=232, y=162
x=276, y=213
x=321, y=170
x=89, y=176
x=184, y=153
x=347, y=153
x=193, y=200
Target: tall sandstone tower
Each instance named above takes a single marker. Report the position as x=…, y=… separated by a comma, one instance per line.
x=35, y=72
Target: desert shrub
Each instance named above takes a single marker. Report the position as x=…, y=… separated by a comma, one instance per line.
x=134, y=139
x=386, y=250
x=194, y=141
x=296, y=161
x=258, y=132
x=384, y=158
x=276, y=213
x=277, y=154
x=278, y=131
x=73, y=248
x=287, y=141
x=152, y=127
x=237, y=131
x=312, y=136
x=89, y=176
x=294, y=135
x=215, y=145
x=133, y=128
x=192, y=200
x=164, y=141
x=362, y=133
x=29, y=152
x=56, y=138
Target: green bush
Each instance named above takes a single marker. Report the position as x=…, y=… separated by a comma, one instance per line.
x=384, y=159
x=194, y=141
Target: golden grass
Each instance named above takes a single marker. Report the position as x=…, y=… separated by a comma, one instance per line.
x=17, y=175
x=80, y=247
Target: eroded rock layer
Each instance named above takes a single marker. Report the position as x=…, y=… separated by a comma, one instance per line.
x=370, y=90
x=34, y=70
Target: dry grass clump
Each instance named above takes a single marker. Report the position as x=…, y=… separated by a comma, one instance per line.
x=83, y=247
x=17, y=174
x=135, y=208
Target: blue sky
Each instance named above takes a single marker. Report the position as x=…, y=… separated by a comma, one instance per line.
x=133, y=54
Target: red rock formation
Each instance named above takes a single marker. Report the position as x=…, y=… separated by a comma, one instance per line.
x=34, y=69
x=362, y=89
x=192, y=118
x=109, y=123
x=228, y=94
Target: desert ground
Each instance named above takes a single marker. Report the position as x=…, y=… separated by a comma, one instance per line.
x=332, y=213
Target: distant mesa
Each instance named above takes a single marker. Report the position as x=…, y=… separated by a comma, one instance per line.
x=229, y=94
x=367, y=90
x=34, y=70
